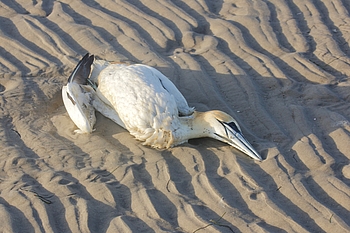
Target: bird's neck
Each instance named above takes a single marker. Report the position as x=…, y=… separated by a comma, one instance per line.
x=193, y=126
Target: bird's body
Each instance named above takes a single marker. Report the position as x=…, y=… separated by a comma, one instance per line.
x=147, y=104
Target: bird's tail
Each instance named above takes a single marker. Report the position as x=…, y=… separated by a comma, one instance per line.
x=81, y=72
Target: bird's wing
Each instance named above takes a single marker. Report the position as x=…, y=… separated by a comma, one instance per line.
x=77, y=101
x=77, y=96
x=182, y=105
x=82, y=71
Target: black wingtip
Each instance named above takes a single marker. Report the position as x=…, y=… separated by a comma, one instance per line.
x=82, y=71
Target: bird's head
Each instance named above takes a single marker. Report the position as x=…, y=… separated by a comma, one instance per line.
x=225, y=128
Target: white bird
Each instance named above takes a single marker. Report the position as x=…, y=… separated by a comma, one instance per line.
x=146, y=103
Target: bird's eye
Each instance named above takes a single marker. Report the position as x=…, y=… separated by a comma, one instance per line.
x=230, y=127
x=234, y=127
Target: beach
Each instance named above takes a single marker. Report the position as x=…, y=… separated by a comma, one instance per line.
x=280, y=68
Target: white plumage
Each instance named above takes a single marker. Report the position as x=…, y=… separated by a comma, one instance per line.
x=146, y=103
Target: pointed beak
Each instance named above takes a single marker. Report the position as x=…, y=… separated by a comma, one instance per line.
x=240, y=143
x=235, y=138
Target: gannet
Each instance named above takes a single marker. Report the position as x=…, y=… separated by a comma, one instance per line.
x=142, y=100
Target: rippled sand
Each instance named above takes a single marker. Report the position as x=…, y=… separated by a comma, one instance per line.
x=281, y=68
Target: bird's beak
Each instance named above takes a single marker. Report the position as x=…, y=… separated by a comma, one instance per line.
x=240, y=143
x=235, y=138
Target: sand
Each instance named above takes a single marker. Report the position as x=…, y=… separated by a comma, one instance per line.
x=281, y=68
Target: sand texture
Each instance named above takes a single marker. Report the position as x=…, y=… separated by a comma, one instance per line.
x=280, y=67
